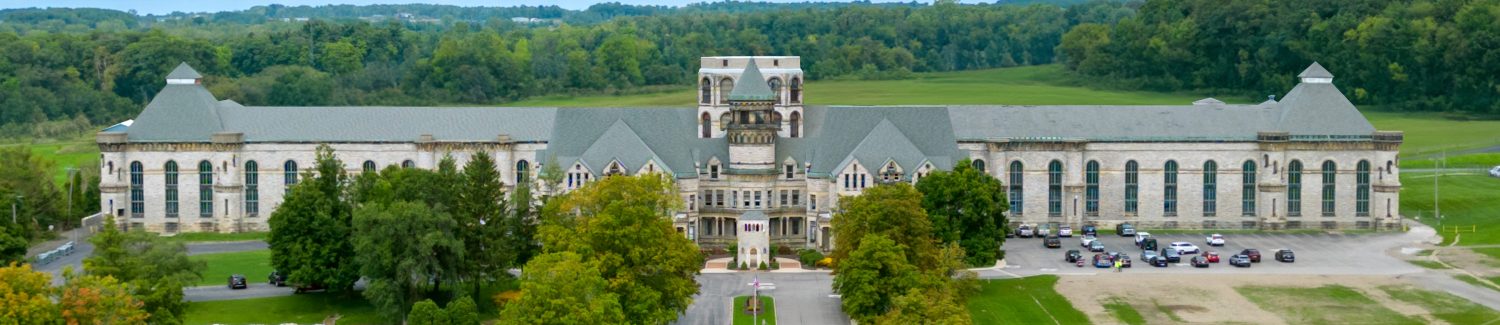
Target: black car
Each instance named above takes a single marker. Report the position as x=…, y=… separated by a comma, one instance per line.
x=1052, y=242
x=276, y=278
x=1124, y=260
x=1090, y=230
x=1096, y=246
x=1158, y=261
x=1240, y=260
x=1171, y=255
x=1285, y=256
x=1073, y=256
x=237, y=281
x=1252, y=254
x=1199, y=261
x=1125, y=229
x=1148, y=244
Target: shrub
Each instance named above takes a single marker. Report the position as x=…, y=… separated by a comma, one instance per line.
x=826, y=262
x=775, y=265
x=462, y=312
x=506, y=297
x=743, y=266
x=809, y=257
x=763, y=265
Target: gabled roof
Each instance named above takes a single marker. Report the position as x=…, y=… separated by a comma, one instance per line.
x=620, y=143
x=873, y=134
x=182, y=112
x=885, y=143
x=752, y=85
x=183, y=71
x=1315, y=71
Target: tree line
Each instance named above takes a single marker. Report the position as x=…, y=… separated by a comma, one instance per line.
x=1406, y=55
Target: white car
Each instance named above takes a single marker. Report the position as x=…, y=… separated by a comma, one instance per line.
x=1184, y=248
x=1141, y=235
x=1215, y=240
x=1087, y=239
x=1495, y=171
x=1065, y=231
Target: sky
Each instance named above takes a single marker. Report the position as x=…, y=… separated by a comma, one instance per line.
x=168, y=6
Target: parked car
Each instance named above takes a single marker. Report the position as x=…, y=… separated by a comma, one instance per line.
x=1495, y=171
x=1072, y=256
x=1096, y=246
x=1240, y=260
x=1252, y=254
x=1125, y=229
x=1149, y=244
x=1199, y=261
x=1043, y=230
x=1086, y=239
x=1172, y=255
x=276, y=278
x=237, y=281
x=1023, y=231
x=1185, y=248
x=1148, y=255
x=1102, y=261
x=1215, y=240
x=1065, y=231
x=1285, y=256
x=1124, y=260
x=1211, y=256
x=1052, y=242
x=1090, y=230
x=301, y=288
x=1141, y=236
x=1158, y=261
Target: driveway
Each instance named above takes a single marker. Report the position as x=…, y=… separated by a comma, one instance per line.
x=801, y=298
x=255, y=289
x=83, y=248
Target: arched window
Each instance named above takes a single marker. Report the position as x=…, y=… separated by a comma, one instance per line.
x=408, y=164
x=1294, y=188
x=170, y=178
x=1362, y=189
x=706, y=89
x=1330, y=177
x=796, y=90
x=1210, y=188
x=1017, y=180
x=289, y=176
x=725, y=85
x=252, y=188
x=523, y=171
x=1054, y=188
x=1091, y=179
x=775, y=84
x=708, y=122
x=795, y=124
x=1169, y=188
x=137, y=193
x=369, y=166
x=205, y=189
x=1247, y=189
x=724, y=121
x=978, y=164
x=1132, y=186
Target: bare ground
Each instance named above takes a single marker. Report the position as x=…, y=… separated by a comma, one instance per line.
x=1210, y=299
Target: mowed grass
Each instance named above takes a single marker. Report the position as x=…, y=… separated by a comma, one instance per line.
x=1466, y=200
x=1429, y=133
x=300, y=309
x=217, y=237
x=743, y=318
x=1444, y=306
x=1476, y=160
x=254, y=265
x=1331, y=304
x=1030, y=300
x=78, y=153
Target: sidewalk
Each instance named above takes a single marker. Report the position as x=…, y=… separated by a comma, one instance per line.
x=77, y=234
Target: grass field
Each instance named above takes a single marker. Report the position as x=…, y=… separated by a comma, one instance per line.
x=254, y=265
x=1476, y=160
x=1466, y=200
x=1331, y=304
x=743, y=318
x=1428, y=133
x=1444, y=306
x=300, y=309
x=1123, y=311
x=1030, y=300
x=216, y=237
x=76, y=153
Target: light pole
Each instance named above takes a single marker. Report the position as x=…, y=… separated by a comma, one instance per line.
x=74, y=234
x=13, y=208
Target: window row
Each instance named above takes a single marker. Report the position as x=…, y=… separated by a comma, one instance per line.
x=752, y=199
x=726, y=85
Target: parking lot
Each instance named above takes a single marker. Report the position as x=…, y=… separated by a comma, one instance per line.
x=1316, y=253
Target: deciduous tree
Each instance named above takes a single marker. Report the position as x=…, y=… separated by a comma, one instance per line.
x=311, y=230
x=26, y=296
x=406, y=252
x=92, y=299
x=154, y=269
x=561, y=288
x=967, y=207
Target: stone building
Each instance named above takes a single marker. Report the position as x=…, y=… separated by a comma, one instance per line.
x=191, y=162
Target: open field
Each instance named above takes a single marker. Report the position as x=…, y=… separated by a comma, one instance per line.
x=1030, y=300
x=254, y=265
x=1428, y=133
x=77, y=153
x=301, y=309
x=1466, y=200
x=1474, y=160
x=216, y=237
x=743, y=318
x=1330, y=304
x=1443, y=306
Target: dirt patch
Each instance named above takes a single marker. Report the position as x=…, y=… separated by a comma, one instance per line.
x=1467, y=259
x=1206, y=299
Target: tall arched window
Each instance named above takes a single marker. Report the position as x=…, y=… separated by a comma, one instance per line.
x=137, y=192
x=978, y=164
x=1091, y=179
x=368, y=166
x=725, y=85
x=1294, y=188
x=1016, y=181
x=1247, y=189
x=289, y=174
x=706, y=89
x=1362, y=189
x=1330, y=177
x=775, y=84
x=523, y=171
x=707, y=125
x=1132, y=186
x=205, y=189
x=1210, y=188
x=170, y=179
x=252, y=188
x=796, y=90
x=795, y=122
x=1054, y=188
x=1169, y=188
x=408, y=164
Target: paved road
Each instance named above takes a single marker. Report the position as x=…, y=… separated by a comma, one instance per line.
x=801, y=298
x=82, y=249
x=226, y=247
x=257, y=289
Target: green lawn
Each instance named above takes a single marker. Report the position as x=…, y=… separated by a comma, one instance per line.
x=78, y=153
x=1466, y=200
x=1121, y=310
x=254, y=265
x=1475, y=160
x=216, y=237
x=1030, y=300
x=301, y=309
x=743, y=318
x=1428, y=133
x=1330, y=304
x=1444, y=306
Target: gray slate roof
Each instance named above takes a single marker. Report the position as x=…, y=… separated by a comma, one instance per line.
x=1315, y=71
x=752, y=85
x=178, y=113
x=598, y=136
x=183, y=71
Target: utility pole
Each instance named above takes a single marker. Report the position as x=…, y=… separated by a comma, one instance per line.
x=1437, y=212
x=74, y=233
x=13, y=208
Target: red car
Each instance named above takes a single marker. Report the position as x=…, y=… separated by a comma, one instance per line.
x=1211, y=256
x=1254, y=254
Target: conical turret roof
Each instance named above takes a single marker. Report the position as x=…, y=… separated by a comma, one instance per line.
x=752, y=85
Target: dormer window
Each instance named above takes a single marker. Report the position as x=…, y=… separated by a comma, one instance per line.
x=713, y=170
x=788, y=170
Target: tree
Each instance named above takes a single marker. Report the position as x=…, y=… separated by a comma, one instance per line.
x=25, y=174
x=426, y=312
x=891, y=210
x=623, y=223
x=482, y=221
x=872, y=276
x=967, y=207
x=152, y=268
x=405, y=251
x=463, y=311
x=25, y=296
x=561, y=288
x=92, y=299
x=521, y=223
x=311, y=230
x=300, y=86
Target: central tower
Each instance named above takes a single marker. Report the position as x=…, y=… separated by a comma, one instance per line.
x=753, y=123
